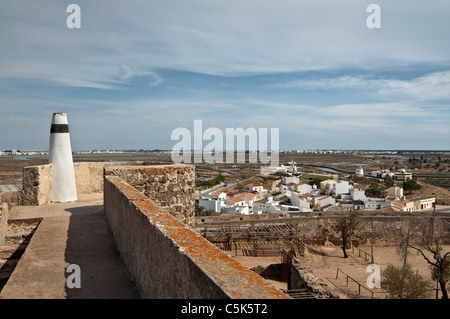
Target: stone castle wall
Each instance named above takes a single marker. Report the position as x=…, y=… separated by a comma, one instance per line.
x=165, y=257
x=318, y=230
x=4, y=216
x=171, y=186
x=37, y=181
x=36, y=185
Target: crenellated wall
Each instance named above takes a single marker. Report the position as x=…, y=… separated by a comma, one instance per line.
x=166, y=258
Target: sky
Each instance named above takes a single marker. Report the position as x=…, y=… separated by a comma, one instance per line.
x=137, y=70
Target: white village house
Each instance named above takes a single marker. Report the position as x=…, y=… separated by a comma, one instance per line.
x=253, y=187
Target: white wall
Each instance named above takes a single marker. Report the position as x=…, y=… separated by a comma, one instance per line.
x=341, y=188
x=214, y=205
x=357, y=194
x=304, y=188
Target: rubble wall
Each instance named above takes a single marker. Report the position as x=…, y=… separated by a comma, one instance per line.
x=36, y=185
x=318, y=230
x=166, y=258
x=4, y=216
x=171, y=186
x=302, y=277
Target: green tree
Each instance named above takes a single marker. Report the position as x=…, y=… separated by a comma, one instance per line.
x=411, y=185
x=347, y=225
x=215, y=181
x=388, y=181
x=374, y=189
x=403, y=283
x=316, y=181
x=199, y=210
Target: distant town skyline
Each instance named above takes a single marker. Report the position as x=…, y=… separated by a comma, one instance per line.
x=136, y=70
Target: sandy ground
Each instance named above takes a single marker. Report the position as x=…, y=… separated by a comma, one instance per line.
x=326, y=260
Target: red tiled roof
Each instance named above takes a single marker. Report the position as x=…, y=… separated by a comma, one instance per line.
x=235, y=199
x=247, y=196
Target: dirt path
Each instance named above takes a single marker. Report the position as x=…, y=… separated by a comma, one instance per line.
x=326, y=260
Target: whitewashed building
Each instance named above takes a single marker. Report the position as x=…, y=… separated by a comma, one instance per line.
x=424, y=203
x=340, y=188
x=303, y=188
x=395, y=191
x=303, y=203
x=357, y=194
x=322, y=201
x=290, y=179
x=217, y=195
x=234, y=201
x=242, y=210
x=211, y=204
x=253, y=187
x=359, y=171
x=249, y=198
x=371, y=204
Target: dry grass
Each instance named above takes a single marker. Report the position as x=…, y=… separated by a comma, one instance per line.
x=325, y=260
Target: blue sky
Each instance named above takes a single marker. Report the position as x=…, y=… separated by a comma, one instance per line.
x=136, y=70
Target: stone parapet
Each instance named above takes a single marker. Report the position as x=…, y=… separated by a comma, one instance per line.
x=4, y=216
x=170, y=186
x=37, y=181
x=165, y=257
x=36, y=185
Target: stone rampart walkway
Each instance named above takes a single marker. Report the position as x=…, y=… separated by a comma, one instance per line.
x=69, y=233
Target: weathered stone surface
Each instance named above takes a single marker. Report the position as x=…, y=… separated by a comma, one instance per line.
x=36, y=185
x=37, y=181
x=4, y=216
x=12, y=198
x=170, y=186
x=169, y=260
x=302, y=277
x=318, y=230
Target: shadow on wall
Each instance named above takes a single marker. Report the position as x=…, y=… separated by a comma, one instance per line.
x=91, y=246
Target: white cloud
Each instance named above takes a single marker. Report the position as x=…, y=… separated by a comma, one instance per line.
x=214, y=37
x=431, y=86
x=126, y=72
x=155, y=79
x=120, y=42
x=342, y=82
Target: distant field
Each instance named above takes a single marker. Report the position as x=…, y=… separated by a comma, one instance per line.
x=436, y=179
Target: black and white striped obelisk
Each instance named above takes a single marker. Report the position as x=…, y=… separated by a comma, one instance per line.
x=63, y=187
